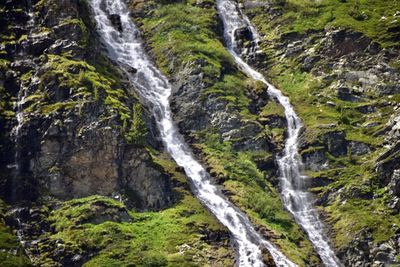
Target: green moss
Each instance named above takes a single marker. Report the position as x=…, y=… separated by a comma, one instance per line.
x=347, y=217
x=232, y=89
x=272, y=108
x=6, y=103
x=312, y=149
x=138, y=131
x=86, y=84
x=22, y=38
x=152, y=239
x=84, y=31
x=175, y=236
x=374, y=18
x=186, y=32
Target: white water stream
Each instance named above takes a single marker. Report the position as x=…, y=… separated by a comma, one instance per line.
x=294, y=193
x=126, y=48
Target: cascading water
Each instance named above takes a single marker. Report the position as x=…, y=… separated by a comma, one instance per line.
x=20, y=115
x=294, y=194
x=125, y=47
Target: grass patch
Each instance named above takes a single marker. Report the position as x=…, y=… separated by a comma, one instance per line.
x=167, y=238
x=374, y=18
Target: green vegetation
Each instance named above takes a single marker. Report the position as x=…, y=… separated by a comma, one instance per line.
x=361, y=203
x=375, y=18
x=309, y=96
x=11, y=253
x=171, y=237
x=6, y=108
x=183, y=38
x=187, y=32
x=80, y=86
x=138, y=131
x=250, y=191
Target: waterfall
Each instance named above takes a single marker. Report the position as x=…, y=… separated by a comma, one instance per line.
x=125, y=47
x=294, y=193
x=20, y=116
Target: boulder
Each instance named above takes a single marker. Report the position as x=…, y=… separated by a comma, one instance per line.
x=315, y=159
x=346, y=94
x=343, y=42
x=243, y=34
x=358, y=148
x=335, y=143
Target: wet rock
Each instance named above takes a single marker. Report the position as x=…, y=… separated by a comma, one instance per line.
x=65, y=46
x=293, y=49
x=39, y=44
x=374, y=48
x=204, y=3
x=243, y=34
x=132, y=70
x=366, y=109
x=214, y=237
x=358, y=253
x=319, y=181
x=258, y=100
x=315, y=159
x=189, y=109
x=143, y=182
x=115, y=20
x=393, y=129
x=394, y=184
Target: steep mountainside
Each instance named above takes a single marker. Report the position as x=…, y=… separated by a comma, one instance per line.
x=85, y=180
x=72, y=127
x=338, y=62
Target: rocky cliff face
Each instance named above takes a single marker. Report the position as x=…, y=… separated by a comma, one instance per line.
x=82, y=170
x=72, y=127
x=73, y=130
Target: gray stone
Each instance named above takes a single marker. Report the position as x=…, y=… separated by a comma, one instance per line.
x=358, y=148
x=346, y=94
x=315, y=160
